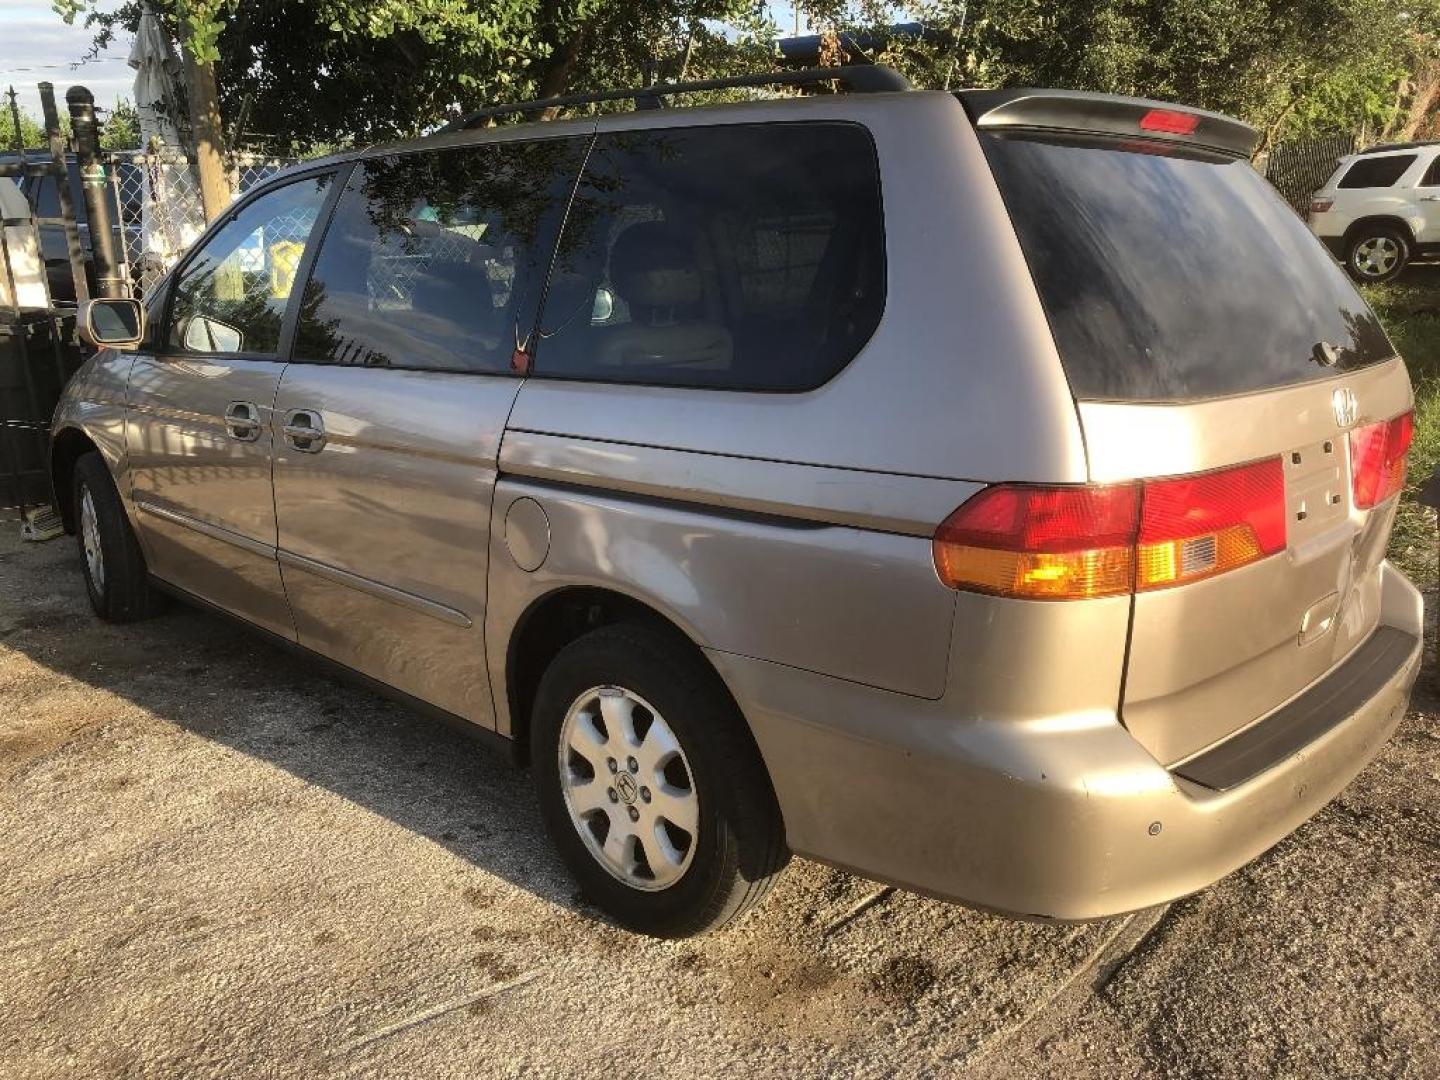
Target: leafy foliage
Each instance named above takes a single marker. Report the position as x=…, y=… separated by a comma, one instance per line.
x=329, y=72
x=1287, y=66
x=326, y=72
x=119, y=128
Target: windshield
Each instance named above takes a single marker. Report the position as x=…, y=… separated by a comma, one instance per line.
x=1169, y=275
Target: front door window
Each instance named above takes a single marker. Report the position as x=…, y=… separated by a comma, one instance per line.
x=230, y=297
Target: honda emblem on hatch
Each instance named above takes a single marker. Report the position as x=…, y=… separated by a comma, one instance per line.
x=1344, y=404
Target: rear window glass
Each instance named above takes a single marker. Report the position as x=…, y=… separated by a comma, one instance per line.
x=1170, y=277
x=744, y=257
x=1372, y=172
x=1432, y=175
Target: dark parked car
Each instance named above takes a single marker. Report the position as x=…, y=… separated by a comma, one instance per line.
x=43, y=192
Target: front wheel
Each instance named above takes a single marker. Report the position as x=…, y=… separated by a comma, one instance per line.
x=651, y=787
x=1376, y=254
x=111, y=560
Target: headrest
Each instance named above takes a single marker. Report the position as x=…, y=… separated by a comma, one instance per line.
x=653, y=265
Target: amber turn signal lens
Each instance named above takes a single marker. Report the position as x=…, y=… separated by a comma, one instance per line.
x=1036, y=575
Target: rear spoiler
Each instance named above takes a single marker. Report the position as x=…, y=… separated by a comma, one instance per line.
x=1078, y=111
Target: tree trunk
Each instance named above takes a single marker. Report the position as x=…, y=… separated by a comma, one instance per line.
x=1267, y=139
x=204, y=98
x=1424, y=103
x=562, y=62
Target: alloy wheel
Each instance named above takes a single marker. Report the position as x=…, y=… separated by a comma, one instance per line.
x=1376, y=256
x=90, y=540
x=629, y=788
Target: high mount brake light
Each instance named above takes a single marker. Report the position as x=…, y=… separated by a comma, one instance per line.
x=1377, y=459
x=1074, y=543
x=1170, y=122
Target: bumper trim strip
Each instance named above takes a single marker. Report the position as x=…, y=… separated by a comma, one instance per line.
x=1306, y=718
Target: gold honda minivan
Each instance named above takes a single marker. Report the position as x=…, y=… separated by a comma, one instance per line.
x=987, y=493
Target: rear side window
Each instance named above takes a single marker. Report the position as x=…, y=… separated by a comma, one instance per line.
x=1432, y=174
x=745, y=257
x=434, y=261
x=1376, y=172
x=1168, y=276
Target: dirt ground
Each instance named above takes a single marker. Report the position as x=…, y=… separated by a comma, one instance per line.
x=215, y=862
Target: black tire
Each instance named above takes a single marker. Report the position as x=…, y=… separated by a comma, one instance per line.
x=124, y=594
x=1359, y=253
x=739, y=844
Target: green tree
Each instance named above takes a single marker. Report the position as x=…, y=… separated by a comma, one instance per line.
x=32, y=135
x=1286, y=66
x=31, y=130
x=120, y=129
x=325, y=72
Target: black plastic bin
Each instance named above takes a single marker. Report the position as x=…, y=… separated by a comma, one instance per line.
x=36, y=359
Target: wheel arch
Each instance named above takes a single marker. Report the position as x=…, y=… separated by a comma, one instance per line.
x=562, y=615
x=1371, y=221
x=67, y=446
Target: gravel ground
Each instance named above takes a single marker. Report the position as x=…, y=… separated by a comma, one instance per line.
x=214, y=861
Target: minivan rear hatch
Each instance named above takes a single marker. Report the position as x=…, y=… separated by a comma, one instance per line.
x=1201, y=328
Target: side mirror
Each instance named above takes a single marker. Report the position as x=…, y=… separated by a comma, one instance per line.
x=206, y=335
x=110, y=323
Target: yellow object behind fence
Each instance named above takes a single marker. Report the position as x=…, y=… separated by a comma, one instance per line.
x=284, y=261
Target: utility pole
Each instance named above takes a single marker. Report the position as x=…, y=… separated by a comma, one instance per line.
x=209, y=139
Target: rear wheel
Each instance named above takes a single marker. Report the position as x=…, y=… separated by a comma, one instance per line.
x=1377, y=253
x=651, y=787
x=114, y=568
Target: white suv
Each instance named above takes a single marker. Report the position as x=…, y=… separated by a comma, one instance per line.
x=1380, y=209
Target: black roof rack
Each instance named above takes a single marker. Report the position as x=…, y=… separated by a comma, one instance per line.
x=856, y=78
x=1381, y=148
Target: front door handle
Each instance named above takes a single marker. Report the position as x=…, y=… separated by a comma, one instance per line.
x=304, y=430
x=242, y=420
x=1430, y=198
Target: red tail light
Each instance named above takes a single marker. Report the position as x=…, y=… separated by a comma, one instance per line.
x=1377, y=459
x=1170, y=121
x=1197, y=526
x=1071, y=543
x=1044, y=543
x=1321, y=206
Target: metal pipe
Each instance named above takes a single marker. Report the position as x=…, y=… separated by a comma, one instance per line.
x=108, y=280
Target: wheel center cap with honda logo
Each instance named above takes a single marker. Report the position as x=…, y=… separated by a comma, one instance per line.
x=626, y=788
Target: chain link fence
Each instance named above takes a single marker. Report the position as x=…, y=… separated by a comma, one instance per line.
x=1298, y=167
x=161, y=214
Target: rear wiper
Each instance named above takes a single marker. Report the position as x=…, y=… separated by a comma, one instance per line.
x=1327, y=355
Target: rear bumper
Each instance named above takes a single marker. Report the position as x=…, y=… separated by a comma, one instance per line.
x=1066, y=818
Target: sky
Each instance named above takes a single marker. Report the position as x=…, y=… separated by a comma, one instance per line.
x=36, y=45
